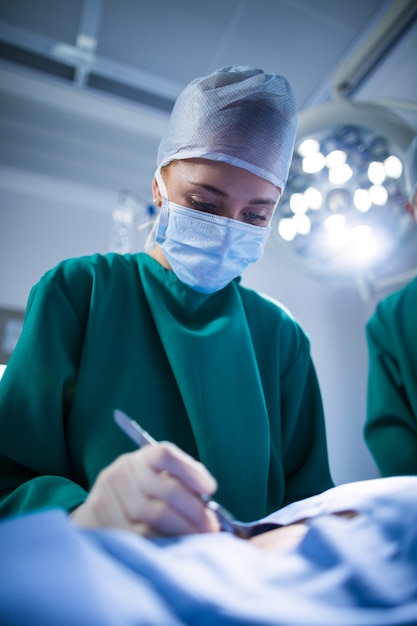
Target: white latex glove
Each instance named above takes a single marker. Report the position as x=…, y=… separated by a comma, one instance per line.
x=154, y=491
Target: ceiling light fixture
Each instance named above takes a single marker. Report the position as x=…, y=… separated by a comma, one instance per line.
x=342, y=212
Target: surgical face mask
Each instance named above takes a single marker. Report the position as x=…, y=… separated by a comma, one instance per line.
x=207, y=251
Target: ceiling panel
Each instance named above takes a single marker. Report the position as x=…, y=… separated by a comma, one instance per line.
x=349, y=16
x=187, y=38
x=58, y=19
x=174, y=40
x=106, y=134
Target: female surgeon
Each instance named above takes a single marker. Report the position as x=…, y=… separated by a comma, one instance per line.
x=171, y=337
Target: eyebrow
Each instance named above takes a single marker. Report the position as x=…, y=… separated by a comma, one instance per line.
x=222, y=194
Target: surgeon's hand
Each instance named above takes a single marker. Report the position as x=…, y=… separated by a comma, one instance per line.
x=155, y=491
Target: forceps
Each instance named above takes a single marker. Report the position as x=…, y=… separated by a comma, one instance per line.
x=244, y=530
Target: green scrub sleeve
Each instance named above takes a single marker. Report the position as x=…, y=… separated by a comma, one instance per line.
x=304, y=445
x=299, y=465
x=391, y=425
x=34, y=464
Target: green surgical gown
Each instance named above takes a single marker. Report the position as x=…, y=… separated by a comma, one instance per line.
x=228, y=377
x=391, y=424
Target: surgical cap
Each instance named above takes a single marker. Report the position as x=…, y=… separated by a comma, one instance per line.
x=411, y=169
x=238, y=115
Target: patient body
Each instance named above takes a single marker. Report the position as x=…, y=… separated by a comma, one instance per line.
x=347, y=556
x=290, y=535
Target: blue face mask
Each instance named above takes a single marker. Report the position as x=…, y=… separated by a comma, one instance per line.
x=207, y=251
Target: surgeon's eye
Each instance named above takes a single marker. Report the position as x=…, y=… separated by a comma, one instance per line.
x=202, y=205
x=256, y=218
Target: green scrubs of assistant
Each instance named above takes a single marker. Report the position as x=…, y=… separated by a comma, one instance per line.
x=228, y=377
x=391, y=425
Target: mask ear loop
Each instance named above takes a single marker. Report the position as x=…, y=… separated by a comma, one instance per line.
x=150, y=241
x=161, y=184
x=157, y=232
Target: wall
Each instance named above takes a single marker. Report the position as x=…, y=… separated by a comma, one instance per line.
x=36, y=233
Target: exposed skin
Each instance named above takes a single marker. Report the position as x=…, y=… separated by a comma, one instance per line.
x=288, y=537
x=284, y=538
x=156, y=491
x=411, y=208
x=218, y=188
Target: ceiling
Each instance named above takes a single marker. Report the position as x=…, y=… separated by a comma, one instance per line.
x=86, y=85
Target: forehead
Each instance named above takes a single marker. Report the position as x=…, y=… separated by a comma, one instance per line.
x=219, y=174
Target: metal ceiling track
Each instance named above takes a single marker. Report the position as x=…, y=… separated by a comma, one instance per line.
x=377, y=42
x=79, y=65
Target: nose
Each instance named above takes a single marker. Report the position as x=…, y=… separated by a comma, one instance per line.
x=232, y=211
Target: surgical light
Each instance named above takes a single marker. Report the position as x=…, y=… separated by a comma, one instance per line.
x=340, y=174
x=342, y=211
x=393, y=167
x=313, y=197
x=362, y=200
x=287, y=229
x=313, y=163
x=337, y=233
x=364, y=245
x=376, y=172
x=298, y=203
x=308, y=147
x=378, y=194
x=336, y=158
x=302, y=224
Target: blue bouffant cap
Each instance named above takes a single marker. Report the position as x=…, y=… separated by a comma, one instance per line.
x=238, y=115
